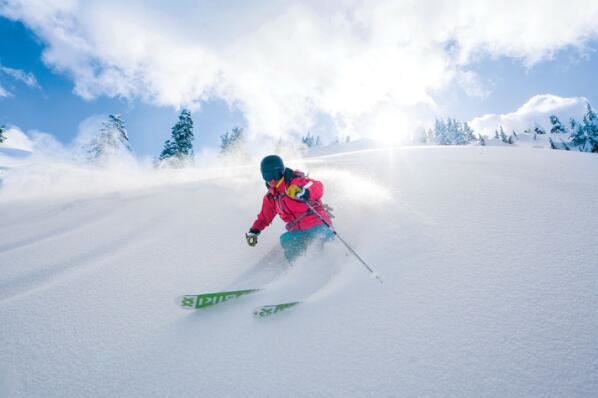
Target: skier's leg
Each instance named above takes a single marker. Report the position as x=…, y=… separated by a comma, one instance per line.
x=321, y=234
x=294, y=243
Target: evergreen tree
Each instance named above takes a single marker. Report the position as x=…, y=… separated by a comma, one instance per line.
x=457, y=132
x=590, y=126
x=468, y=133
x=441, y=134
x=482, y=140
x=503, y=136
x=539, y=130
x=451, y=131
x=585, y=134
x=318, y=142
x=578, y=137
x=182, y=134
x=170, y=150
x=348, y=139
x=179, y=148
x=230, y=141
x=111, y=141
x=557, y=126
x=496, y=136
x=2, y=135
x=308, y=140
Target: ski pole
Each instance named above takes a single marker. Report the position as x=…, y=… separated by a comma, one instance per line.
x=311, y=208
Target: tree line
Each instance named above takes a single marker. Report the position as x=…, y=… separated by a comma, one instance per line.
x=112, y=138
x=581, y=135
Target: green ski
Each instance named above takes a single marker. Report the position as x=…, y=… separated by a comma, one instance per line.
x=198, y=301
x=268, y=310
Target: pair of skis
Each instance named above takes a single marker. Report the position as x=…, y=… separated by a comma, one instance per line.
x=199, y=301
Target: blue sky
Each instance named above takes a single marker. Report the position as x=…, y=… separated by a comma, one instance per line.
x=55, y=107
x=569, y=74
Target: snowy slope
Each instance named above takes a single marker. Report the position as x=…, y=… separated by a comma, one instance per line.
x=488, y=256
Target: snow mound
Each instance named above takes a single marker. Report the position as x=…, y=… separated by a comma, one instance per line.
x=487, y=256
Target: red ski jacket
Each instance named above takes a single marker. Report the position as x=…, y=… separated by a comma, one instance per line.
x=294, y=212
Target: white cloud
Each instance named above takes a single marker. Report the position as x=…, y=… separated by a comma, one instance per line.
x=16, y=139
x=285, y=63
x=535, y=112
x=22, y=76
x=473, y=85
x=46, y=144
x=4, y=92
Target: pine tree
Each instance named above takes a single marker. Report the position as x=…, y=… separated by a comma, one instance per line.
x=179, y=148
x=590, y=126
x=482, y=140
x=585, y=134
x=441, y=133
x=318, y=142
x=169, y=151
x=539, y=130
x=496, y=136
x=308, y=140
x=468, y=133
x=230, y=141
x=182, y=134
x=503, y=136
x=557, y=126
x=2, y=135
x=451, y=133
x=111, y=141
x=457, y=132
x=578, y=137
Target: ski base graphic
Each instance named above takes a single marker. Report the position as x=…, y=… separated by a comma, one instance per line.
x=269, y=310
x=198, y=301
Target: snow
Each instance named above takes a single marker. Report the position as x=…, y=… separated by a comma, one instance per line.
x=16, y=140
x=535, y=112
x=487, y=256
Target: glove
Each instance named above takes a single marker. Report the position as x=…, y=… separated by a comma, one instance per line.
x=298, y=193
x=251, y=237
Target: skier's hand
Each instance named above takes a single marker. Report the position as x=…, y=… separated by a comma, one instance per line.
x=251, y=238
x=298, y=193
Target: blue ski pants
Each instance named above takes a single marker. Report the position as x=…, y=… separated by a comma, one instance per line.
x=295, y=242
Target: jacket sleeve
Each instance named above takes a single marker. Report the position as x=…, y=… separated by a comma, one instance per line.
x=266, y=215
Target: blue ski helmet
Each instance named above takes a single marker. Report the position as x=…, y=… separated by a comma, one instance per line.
x=272, y=167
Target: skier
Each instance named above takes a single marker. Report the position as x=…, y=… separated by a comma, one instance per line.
x=288, y=190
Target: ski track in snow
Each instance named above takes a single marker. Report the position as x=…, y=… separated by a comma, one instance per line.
x=487, y=257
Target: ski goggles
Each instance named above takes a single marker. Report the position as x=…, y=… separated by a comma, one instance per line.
x=270, y=175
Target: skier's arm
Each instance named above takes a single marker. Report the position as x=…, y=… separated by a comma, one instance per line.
x=265, y=216
x=311, y=189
